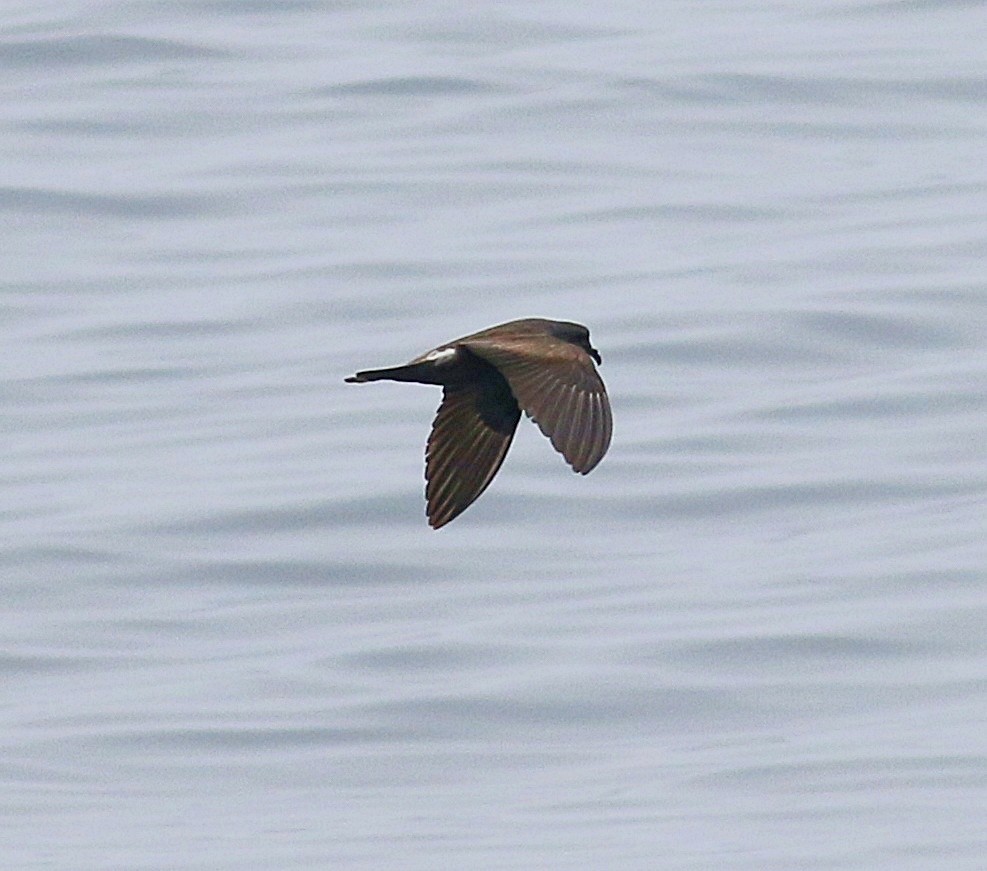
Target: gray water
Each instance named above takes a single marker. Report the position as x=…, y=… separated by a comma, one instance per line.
x=753, y=638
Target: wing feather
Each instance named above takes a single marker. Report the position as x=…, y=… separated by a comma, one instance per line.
x=557, y=385
x=472, y=431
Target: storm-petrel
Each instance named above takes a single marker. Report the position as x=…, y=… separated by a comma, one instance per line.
x=544, y=367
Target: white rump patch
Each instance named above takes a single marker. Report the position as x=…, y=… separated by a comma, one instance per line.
x=441, y=356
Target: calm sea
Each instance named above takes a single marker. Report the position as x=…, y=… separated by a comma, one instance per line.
x=753, y=638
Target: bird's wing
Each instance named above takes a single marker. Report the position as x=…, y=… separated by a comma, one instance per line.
x=558, y=386
x=472, y=431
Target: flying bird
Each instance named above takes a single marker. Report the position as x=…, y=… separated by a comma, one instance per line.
x=542, y=367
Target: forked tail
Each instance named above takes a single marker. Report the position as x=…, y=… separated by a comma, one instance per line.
x=423, y=373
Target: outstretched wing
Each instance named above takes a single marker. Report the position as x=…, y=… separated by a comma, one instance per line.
x=472, y=431
x=557, y=385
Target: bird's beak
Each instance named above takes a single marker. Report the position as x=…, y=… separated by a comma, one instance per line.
x=595, y=355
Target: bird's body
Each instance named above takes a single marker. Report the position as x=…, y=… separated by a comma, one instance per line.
x=543, y=367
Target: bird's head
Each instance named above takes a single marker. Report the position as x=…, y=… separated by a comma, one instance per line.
x=575, y=334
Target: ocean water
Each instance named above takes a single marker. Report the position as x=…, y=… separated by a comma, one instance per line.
x=753, y=638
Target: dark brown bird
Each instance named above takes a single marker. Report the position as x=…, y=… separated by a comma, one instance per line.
x=543, y=367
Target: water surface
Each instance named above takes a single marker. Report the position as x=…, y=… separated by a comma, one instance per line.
x=751, y=639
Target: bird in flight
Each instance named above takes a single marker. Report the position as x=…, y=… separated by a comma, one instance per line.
x=542, y=367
